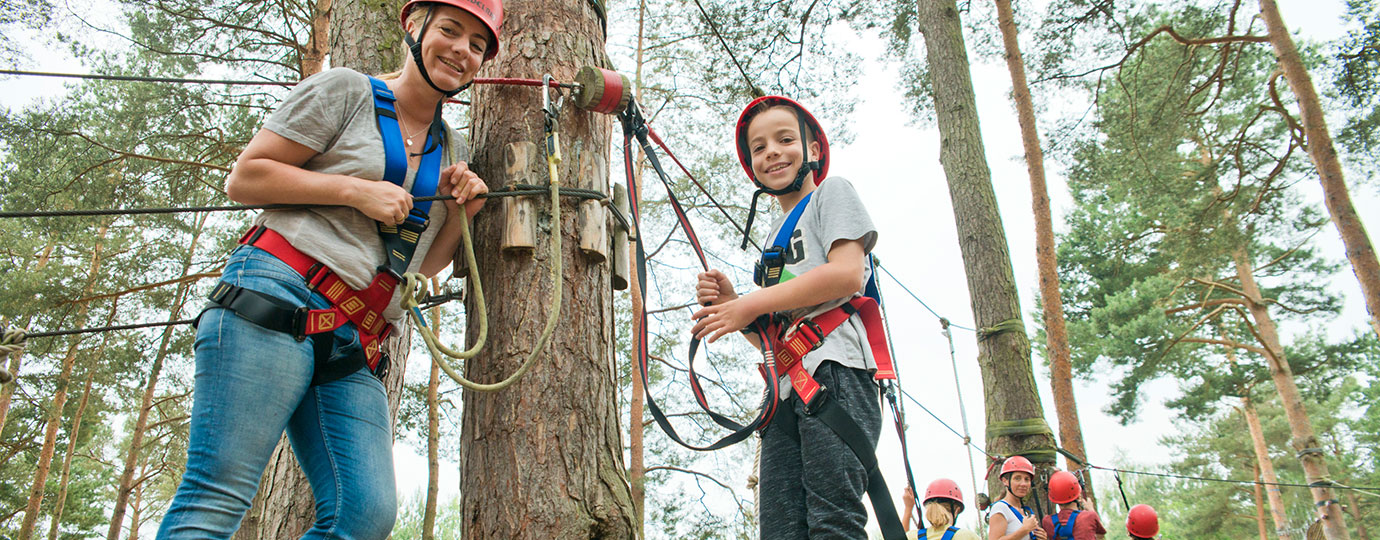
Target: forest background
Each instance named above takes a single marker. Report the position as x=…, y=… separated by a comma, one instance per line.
x=107, y=144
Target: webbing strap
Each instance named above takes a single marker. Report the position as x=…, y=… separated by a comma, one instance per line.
x=400, y=241
x=634, y=127
x=1064, y=530
x=843, y=425
x=949, y=533
x=1027, y=426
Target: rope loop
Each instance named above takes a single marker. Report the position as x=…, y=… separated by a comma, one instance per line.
x=1009, y=325
x=12, y=341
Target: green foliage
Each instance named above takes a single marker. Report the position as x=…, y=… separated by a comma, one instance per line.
x=1357, y=79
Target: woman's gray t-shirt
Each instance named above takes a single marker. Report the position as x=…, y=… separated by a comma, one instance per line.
x=332, y=113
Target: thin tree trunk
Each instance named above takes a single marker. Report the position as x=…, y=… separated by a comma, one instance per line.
x=1305, y=442
x=318, y=45
x=637, y=468
x=45, y=457
x=1259, y=505
x=1003, y=348
x=7, y=390
x=1266, y=467
x=76, y=432
x=136, y=437
x=365, y=37
x=1358, y=247
x=1056, y=335
x=568, y=479
x=1353, y=501
x=137, y=508
x=433, y=432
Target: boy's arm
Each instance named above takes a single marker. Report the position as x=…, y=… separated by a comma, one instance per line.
x=841, y=277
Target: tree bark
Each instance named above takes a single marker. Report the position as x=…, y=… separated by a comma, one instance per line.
x=1259, y=506
x=45, y=456
x=1304, y=440
x=7, y=390
x=544, y=458
x=73, y=436
x=1056, y=335
x=637, y=468
x=1266, y=467
x=1003, y=348
x=136, y=438
x=364, y=36
x=433, y=432
x=1324, y=155
x=313, y=55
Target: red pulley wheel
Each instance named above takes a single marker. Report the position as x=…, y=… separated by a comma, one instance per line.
x=601, y=90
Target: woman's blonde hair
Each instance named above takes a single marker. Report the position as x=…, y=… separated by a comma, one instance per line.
x=938, y=514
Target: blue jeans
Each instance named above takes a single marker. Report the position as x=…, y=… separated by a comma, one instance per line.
x=251, y=384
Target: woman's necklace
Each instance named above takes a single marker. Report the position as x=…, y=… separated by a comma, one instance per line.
x=408, y=138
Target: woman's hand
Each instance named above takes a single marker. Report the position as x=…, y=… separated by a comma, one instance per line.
x=460, y=182
x=383, y=202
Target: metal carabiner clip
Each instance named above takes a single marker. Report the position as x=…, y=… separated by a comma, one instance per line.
x=551, y=111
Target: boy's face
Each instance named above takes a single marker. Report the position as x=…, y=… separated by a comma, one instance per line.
x=774, y=145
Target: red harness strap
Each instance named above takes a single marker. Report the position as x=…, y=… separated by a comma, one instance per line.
x=808, y=334
x=364, y=308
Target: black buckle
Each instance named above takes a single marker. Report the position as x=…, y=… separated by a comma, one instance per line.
x=809, y=324
x=385, y=269
x=299, y=323
x=381, y=370
x=818, y=402
x=767, y=270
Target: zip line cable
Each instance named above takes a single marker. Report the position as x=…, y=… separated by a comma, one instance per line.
x=752, y=88
x=917, y=299
x=505, y=81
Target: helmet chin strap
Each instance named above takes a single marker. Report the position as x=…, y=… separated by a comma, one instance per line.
x=800, y=175
x=436, y=130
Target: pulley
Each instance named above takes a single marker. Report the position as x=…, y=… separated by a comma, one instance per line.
x=601, y=90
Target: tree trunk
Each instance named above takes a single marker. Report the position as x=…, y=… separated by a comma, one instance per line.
x=567, y=480
x=313, y=55
x=637, y=468
x=136, y=438
x=433, y=432
x=1304, y=440
x=1003, y=348
x=73, y=435
x=1259, y=505
x=365, y=37
x=7, y=390
x=1324, y=155
x=1056, y=335
x=1266, y=468
x=137, y=509
x=45, y=456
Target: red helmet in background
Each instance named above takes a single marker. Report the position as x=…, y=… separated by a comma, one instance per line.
x=489, y=12
x=1017, y=464
x=1064, y=488
x=1142, y=521
x=946, y=489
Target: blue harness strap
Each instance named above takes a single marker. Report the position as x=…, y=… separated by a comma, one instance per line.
x=949, y=534
x=1064, y=530
x=1019, y=515
x=767, y=272
x=400, y=241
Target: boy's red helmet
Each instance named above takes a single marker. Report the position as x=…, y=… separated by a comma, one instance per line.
x=1064, y=488
x=1017, y=464
x=806, y=120
x=946, y=489
x=489, y=12
x=1142, y=521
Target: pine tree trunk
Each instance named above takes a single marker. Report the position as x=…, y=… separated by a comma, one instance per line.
x=313, y=56
x=136, y=509
x=364, y=36
x=433, y=432
x=637, y=468
x=1304, y=440
x=1259, y=506
x=1266, y=467
x=45, y=456
x=543, y=459
x=1358, y=247
x=1056, y=335
x=136, y=437
x=7, y=390
x=73, y=436
x=1003, y=348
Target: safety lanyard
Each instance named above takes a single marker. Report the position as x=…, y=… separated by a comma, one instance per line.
x=768, y=270
x=400, y=241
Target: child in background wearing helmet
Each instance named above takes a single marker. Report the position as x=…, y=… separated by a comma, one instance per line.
x=326, y=145
x=1010, y=519
x=811, y=483
x=1074, y=521
x=1142, y=523
x=943, y=503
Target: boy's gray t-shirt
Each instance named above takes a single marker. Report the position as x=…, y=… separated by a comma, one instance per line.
x=332, y=113
x=834, y=213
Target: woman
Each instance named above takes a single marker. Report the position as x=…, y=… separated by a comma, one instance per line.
x=1010, y=518
x=291, y=339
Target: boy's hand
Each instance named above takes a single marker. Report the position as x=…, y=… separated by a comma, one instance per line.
x=724, y=317
x=713, y=288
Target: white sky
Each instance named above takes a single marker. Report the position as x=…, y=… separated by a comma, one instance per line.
x=897, y=172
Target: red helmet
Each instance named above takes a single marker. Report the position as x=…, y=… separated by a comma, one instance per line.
x=807, y=120
x=489, y=12
x=1142, y=522
x=1064, y=488
x=1017, y=464
x=944, y=488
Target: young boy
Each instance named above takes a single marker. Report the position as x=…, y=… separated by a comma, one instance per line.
x=811, y=481
x=1073, y=521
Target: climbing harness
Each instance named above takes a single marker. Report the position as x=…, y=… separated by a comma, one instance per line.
x=1020, y=516
x=1064, y=530
x=415, y=283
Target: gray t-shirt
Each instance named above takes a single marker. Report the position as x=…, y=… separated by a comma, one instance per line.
x=332, y=113
x=834, y=213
